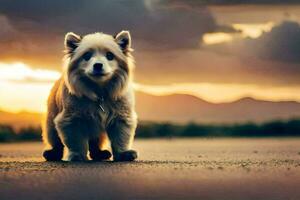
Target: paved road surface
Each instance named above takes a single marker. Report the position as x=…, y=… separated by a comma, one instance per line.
x=167, y=169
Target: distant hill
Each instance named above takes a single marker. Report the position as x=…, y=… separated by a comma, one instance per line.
x=21, y=119
x=183, y=108
x=187, y=108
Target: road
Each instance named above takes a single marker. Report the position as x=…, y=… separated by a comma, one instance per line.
x=167, y=169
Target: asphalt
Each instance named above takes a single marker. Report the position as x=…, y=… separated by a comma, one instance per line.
x=222, y=169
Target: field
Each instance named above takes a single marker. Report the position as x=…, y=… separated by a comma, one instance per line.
x=167, y=169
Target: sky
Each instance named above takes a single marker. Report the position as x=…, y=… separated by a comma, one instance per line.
x=211, y=49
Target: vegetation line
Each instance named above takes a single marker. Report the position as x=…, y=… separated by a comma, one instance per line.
x=290, y=128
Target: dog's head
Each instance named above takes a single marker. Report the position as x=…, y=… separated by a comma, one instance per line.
x=97, y=64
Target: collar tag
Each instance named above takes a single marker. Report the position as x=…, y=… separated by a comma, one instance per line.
x=100, y=104
x=101, y=107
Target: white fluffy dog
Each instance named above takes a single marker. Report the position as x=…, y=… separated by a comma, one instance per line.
x=93, y=96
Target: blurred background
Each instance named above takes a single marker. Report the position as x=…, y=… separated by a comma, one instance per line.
x=203, y=68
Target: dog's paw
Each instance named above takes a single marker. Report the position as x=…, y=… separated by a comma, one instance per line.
x=76, y=157
x=53, y=154
x=129, y=155
x=100, y=155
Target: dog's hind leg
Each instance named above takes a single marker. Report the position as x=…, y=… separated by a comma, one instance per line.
x=54, y=146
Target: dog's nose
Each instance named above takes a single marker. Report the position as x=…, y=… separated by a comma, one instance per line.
x=98, y=68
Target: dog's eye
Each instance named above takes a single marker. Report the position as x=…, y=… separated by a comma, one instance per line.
x=110, y=55
x=86, y=56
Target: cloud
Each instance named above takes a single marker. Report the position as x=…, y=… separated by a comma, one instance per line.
x=22, y=73
x=281, y=43
x=163, y=25
x=37, y=28
x=193, y=3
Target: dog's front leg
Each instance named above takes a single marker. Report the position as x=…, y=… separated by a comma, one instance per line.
x=71, y=132
x=121, y=134
x=95, y=153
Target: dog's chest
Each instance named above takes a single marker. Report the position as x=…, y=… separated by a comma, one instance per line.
x=103, y=116
x=104, y=113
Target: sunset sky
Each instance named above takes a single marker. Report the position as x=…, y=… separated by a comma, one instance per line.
x=218, y=52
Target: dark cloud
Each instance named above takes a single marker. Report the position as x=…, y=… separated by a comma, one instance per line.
x=34, y=30
x=150, y=22
x=282, y=44
x=193, y=3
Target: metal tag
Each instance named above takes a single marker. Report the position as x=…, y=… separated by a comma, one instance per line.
x=101, y=107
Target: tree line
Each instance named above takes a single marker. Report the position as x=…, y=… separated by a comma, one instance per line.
x=290, y=128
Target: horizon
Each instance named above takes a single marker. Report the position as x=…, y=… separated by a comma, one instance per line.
x=167, y=94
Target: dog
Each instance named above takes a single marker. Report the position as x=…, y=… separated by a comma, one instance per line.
x=94, y=96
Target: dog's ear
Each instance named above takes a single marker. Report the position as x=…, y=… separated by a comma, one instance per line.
x=124, y=40
x=72, y=41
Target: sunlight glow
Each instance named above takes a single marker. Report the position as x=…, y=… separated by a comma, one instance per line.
x=21, y=72
x=216, y=38
x=253, y=30
x=246, y=30
x=24, y=88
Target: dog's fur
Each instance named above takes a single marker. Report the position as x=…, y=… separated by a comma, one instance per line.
x=82, y=106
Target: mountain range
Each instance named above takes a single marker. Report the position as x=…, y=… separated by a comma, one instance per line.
x=182, y=108
x=187, y=108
